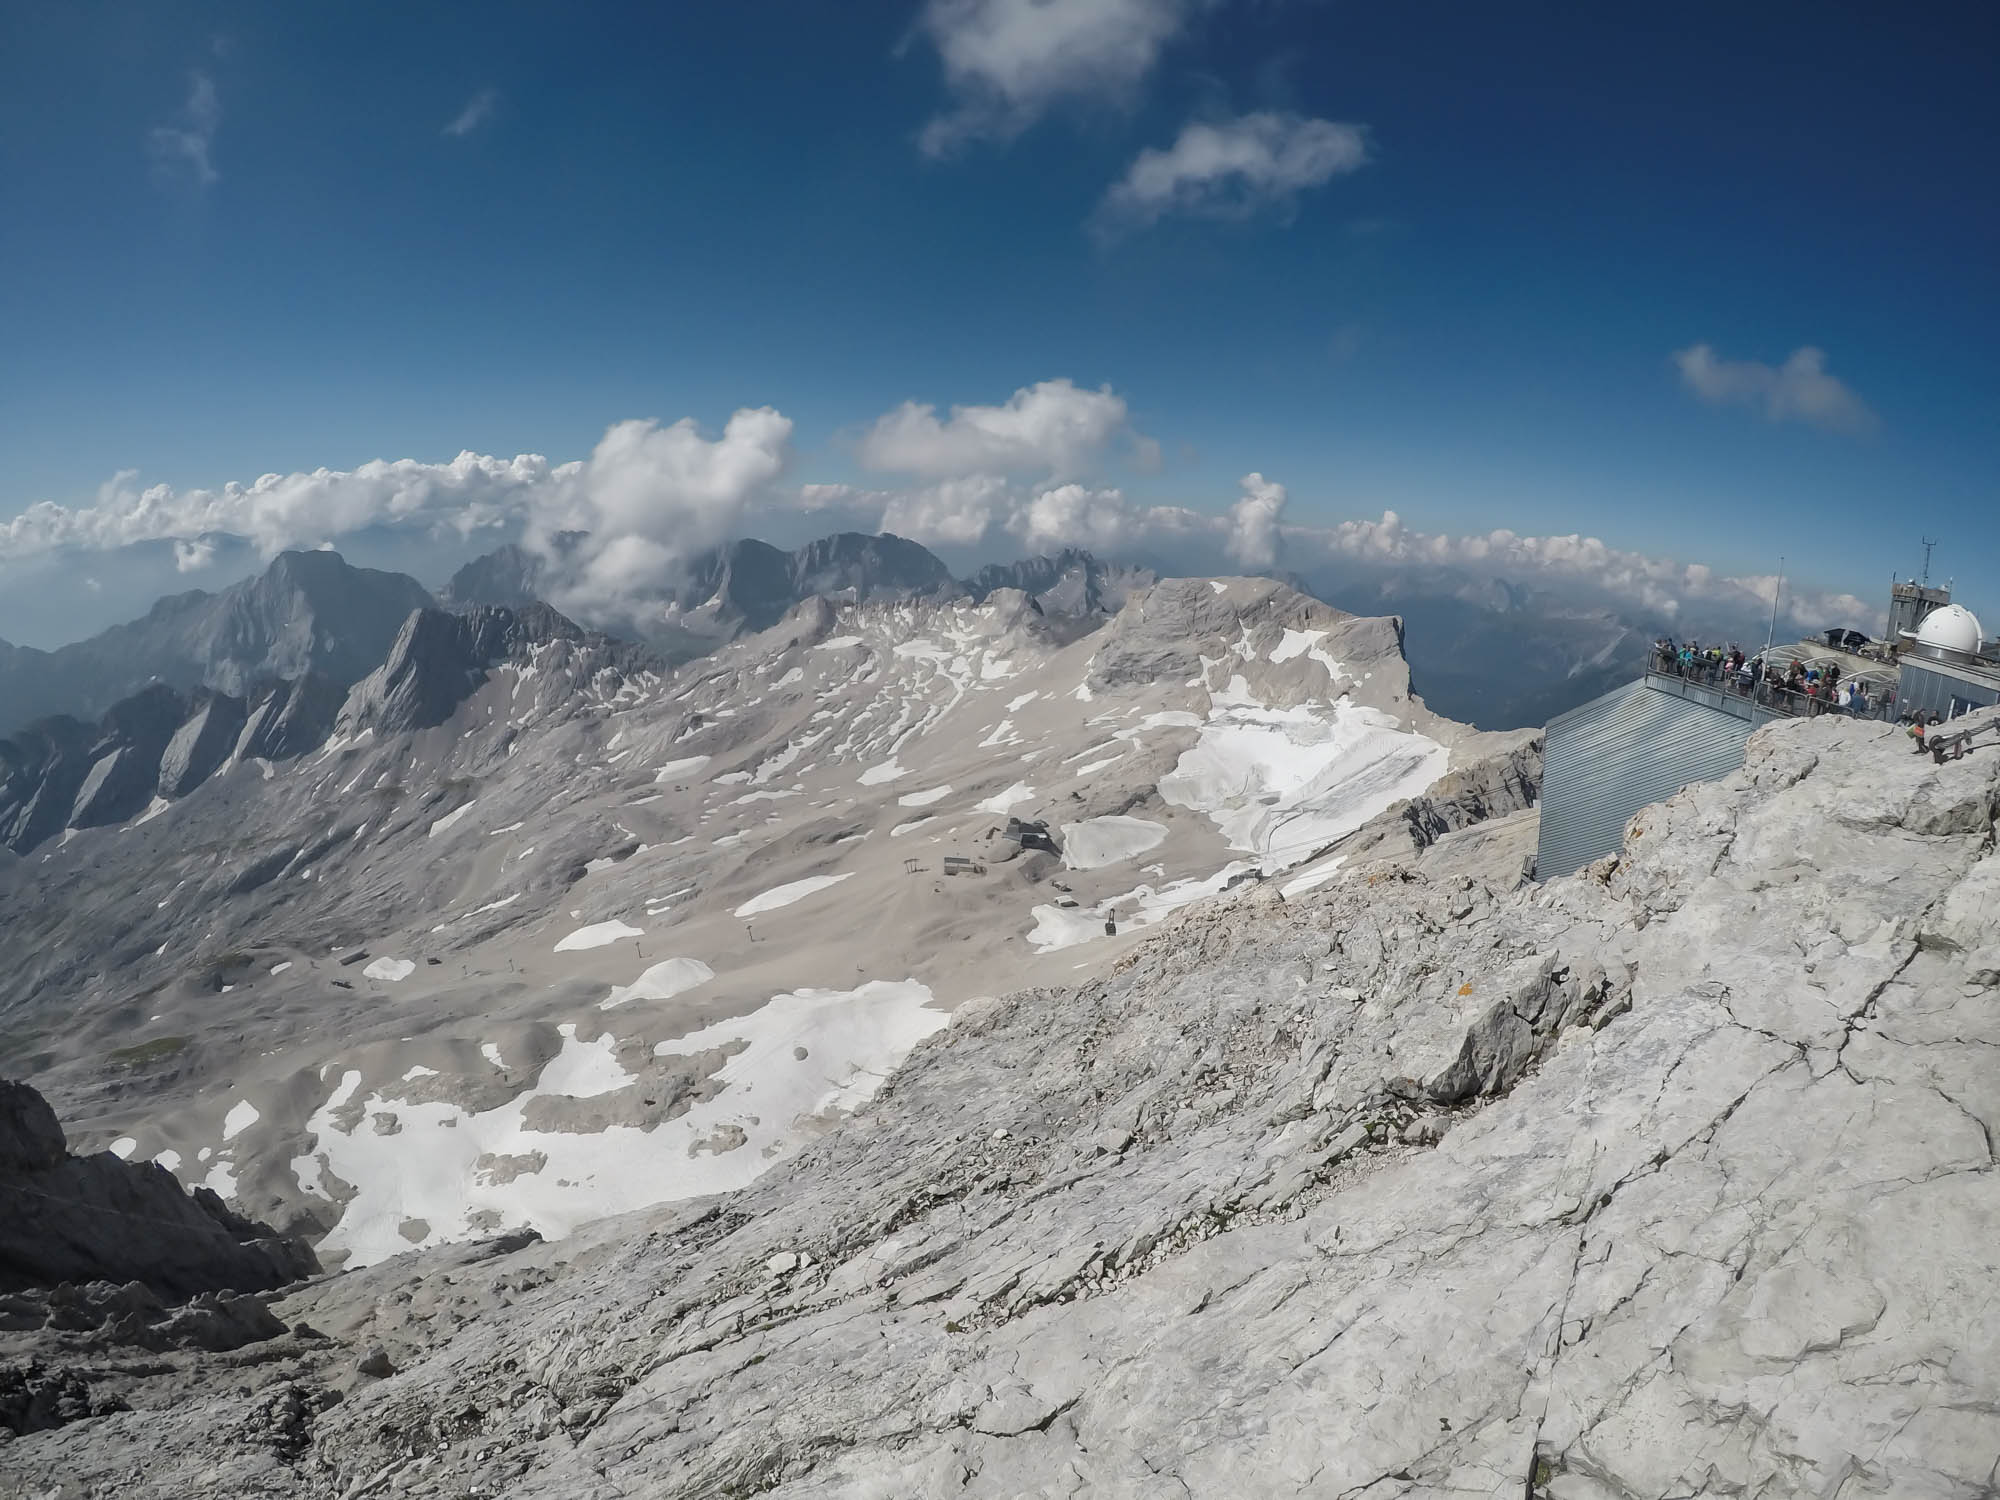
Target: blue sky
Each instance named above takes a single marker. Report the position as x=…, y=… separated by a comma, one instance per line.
x=1451, y=281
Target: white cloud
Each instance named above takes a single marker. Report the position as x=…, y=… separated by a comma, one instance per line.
x=478, y=110
x=952, y=512
x=1054, y=427
x=650, y=496
x=290, y=510
x=1799, y=390
x=184, y=151
x=1232, y=169
x=1008, y=62
x=192, y=556
x=1253, y=523
x=1658, y=584
x=1073, y=515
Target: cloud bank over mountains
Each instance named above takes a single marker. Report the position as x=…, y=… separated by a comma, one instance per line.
x=618, y=526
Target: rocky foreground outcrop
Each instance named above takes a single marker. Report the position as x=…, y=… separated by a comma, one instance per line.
x=76, y=1219
x=1672, y=1178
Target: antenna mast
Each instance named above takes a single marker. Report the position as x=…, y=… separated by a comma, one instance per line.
x=1772, y=634
x=1929, y=542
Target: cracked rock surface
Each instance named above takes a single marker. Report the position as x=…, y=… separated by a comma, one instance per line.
x=1672, y=1178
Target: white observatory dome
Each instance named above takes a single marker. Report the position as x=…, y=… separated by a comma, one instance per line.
x=1951, y=628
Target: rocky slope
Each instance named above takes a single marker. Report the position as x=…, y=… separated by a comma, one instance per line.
x=539, y=933
x=1672, y=1178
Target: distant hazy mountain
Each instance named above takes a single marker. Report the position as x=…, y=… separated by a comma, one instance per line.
x=307, y=612
x=731, y=590
x=63, y=773
x=1073, y=582
x=750, y=585
x=1495, y=653
x=508, y=576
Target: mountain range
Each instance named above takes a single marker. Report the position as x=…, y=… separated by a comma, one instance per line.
x=930, y=1046
x=313, y=613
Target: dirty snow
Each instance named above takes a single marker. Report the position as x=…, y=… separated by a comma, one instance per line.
x=768, y=1093
x=662, y=981
x=877, y=775
x=785, y=895
x=1283, y=783
x=1063, y=927
x=242, y=1115
x=923, y=799
x=1096, y=842
x=597, y=935
x=451, y=818
x=999, y=802
x=681, y=767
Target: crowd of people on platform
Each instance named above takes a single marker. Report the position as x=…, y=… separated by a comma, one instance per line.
x=1788, y=687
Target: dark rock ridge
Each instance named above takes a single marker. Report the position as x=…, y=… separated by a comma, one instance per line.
x=307, y=612
x=440, y=658
x=78, y=1219
x=203, y=742
x=125, y=761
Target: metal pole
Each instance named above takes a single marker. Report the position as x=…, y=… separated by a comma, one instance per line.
x=1772, y=634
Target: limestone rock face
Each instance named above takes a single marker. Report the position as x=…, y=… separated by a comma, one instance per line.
x=293, y=718
x=1672, y=1178
x=125, y=761
x=441, y=657
x=74, y=1219
x=202, y=743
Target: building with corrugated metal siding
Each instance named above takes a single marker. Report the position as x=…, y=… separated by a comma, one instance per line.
x=1635, y=746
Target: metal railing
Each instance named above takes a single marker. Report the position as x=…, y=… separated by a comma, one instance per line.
x=1775, y=695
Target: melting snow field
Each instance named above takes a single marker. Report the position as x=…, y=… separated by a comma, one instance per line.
x=662, y=981
x=878, y=775
x=445, y=1173
x=1063, y=927
x=785, y=895
x=242, y=1115
x=923, y=799
x=391, y=969
x=451, y=818
x=1096, y=842
x=675, y=768
x=1313, y=878
x=999, y=802
x=1282, y=783
x=597, y=935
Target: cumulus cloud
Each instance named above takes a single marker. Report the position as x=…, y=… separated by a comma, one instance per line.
x=649, y=497
x=1054, y=427
x=478, y=110
x=1799, y=390
x=1008, y=62
x=183, y=150
x=1074, y=515
x=1232, y=169
x=1253, y=523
